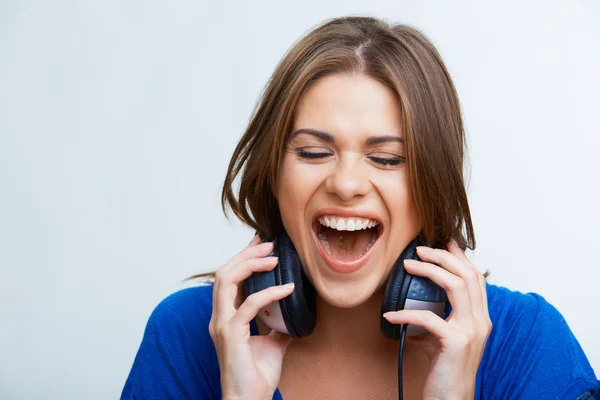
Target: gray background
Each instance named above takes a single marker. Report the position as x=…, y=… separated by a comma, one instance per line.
x=118, y=118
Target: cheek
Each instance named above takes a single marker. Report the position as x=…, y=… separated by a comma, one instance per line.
x=297, y=184
x=396, y=194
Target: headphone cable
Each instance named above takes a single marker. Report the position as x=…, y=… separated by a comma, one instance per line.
x=400, y=355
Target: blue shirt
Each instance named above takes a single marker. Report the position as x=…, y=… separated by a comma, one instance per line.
x=530, y=354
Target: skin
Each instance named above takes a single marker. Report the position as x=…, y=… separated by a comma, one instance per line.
x=347, y=340
x=351, y=109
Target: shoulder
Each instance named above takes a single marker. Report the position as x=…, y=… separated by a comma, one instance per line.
x=529, y=339
x=181, y=320
x=185, y=311
x=190, y=306
x=176, y=358
x=510, y=306
x=526, y=317
x=183, y=317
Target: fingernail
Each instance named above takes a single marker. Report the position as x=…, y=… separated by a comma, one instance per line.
x=423, y=248
x=411, y=263
x=387, y=314
x=265, y=245
x=287, y=286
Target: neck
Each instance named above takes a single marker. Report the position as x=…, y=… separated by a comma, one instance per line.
x=350, y=328
x=346, y=329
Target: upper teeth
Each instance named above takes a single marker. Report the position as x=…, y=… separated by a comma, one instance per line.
x=347, y=224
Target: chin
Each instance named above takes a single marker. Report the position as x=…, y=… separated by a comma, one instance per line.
x=345, y=295
x=347, y=290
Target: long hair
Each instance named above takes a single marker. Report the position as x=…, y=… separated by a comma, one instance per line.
x=402, y=58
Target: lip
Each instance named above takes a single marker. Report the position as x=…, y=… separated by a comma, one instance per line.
x=335, y=264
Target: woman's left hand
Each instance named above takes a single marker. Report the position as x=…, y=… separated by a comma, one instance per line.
x=456, y=345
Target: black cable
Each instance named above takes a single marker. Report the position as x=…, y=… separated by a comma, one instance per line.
x=400, y=355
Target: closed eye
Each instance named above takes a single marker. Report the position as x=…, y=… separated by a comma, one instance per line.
x=313, y=154
x=385, y=161
x=391, y=161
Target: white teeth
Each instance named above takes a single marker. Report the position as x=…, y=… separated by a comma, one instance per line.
x=347, y=224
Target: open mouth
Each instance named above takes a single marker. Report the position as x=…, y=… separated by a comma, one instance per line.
x=346, y=239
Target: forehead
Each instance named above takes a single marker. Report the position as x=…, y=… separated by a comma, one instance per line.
x=349, y=105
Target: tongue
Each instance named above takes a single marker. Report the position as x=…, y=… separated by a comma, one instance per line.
x=346, y=245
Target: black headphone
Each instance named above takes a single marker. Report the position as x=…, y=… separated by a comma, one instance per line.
x=296, y=314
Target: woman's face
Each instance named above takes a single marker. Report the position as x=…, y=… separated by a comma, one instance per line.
x=345, y=163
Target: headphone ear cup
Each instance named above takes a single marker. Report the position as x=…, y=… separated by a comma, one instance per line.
x=396, y=290
x=406, y=291
x=298, y=309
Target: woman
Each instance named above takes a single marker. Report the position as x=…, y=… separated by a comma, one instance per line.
x=360, y=124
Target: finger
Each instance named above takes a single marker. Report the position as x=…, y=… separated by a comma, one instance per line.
x=260, y=250
x=255, y=240
x=425, y=319
x=483, y=284
x=223, y=285
x=454, y=286
x=240, y=272
x=482, y=314
x=258, y=300
x=453, y=248
x=229, y=284
x=282, y=338
x=455, y=266
x=243, y=270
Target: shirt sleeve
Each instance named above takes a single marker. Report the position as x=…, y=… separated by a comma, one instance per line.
x=531, y=353
x=177, y=358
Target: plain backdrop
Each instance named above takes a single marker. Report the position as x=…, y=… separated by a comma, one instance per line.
x=118, y=118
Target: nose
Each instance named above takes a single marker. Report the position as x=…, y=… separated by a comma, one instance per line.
x=348, y=179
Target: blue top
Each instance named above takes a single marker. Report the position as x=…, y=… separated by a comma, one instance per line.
x=530, y=354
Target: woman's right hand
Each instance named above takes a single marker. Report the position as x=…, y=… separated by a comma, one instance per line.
x=250, y=366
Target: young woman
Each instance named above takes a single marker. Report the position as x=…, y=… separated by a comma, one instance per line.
x=361, y=125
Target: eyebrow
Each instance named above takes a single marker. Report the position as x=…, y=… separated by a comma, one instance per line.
x=328, y=137
x=383, y=139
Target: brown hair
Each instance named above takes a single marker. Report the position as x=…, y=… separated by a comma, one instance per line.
x=396, y=55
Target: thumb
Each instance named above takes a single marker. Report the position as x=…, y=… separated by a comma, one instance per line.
x=283, y=339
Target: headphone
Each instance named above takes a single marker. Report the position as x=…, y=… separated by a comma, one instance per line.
x=296, y=313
